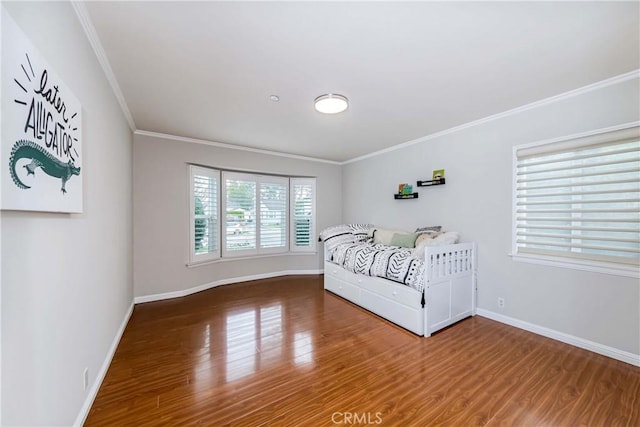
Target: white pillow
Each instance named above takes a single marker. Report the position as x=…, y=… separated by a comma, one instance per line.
x=446, y=238
x=427, y=235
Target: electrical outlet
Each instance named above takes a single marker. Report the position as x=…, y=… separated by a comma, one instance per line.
x=500, y=302
x=85, y=378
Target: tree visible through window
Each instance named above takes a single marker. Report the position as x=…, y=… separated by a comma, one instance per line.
x=200, y=223
x=204, y=211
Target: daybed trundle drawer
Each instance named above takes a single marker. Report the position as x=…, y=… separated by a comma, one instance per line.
x=342, y=288
x=408, y=317
x=394, y=291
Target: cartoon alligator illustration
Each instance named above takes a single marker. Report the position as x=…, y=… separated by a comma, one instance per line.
x=24, y=149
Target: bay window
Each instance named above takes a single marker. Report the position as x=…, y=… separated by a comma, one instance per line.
x=257, y=215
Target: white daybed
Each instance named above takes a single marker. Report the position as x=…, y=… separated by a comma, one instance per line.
x=449, y=292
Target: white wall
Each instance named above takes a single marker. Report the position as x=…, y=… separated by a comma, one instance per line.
x=161, y=213
x=67, y=279
x=476, y=201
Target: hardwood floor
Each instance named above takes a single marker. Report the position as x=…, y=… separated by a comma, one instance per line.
x=285, y=352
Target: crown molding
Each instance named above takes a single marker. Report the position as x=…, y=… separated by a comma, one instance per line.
x=85, y=20
x=635, y=74
x=232, y=147
x=87, y=25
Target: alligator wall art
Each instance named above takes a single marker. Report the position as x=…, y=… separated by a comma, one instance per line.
x=41, y=163
x=40, y=158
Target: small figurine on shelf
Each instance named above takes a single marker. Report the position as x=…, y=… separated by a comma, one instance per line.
x=438, y=174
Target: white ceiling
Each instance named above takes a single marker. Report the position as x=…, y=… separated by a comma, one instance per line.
x=206, y=69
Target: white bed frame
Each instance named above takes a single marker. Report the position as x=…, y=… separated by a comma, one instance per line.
x=449, y=293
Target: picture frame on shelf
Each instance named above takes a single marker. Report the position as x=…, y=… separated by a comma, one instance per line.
x=405, y=188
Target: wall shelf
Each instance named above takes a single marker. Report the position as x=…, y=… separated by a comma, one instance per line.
x=431, y=183
x=406, y=196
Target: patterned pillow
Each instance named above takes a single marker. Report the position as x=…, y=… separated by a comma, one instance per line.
x=334, y=236
x=420, y=230
x=361, y=232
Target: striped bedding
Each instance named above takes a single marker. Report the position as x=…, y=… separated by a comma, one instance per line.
x=388, y=262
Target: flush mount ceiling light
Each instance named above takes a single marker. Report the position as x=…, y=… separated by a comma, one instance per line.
x=331, y=103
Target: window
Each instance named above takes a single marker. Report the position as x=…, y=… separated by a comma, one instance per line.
x=204, y=214
x=259, y=214
x=578, y=200
x=274, y=209
x=256, y=209
x=303, y=212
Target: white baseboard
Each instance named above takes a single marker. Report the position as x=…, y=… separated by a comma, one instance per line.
x=204, y=287
x=84, y=411
x=614, y=353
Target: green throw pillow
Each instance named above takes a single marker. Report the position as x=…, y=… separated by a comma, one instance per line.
x=404, y=240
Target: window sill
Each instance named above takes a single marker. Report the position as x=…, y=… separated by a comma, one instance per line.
x=593, y=266
x=245, y=258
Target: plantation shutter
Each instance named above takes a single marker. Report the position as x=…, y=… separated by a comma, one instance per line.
x=580, y=198
x=303, y=214
x=240, y=214
x=273, y=214
x=204, y=214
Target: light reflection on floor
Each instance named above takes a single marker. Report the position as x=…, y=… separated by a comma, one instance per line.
x=241, y=348
x=249, y=339
x=303, y=349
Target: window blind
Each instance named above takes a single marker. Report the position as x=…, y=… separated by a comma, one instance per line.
x=240, y=213
x=273, y=213
x=580, y=199
x=303, y=213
